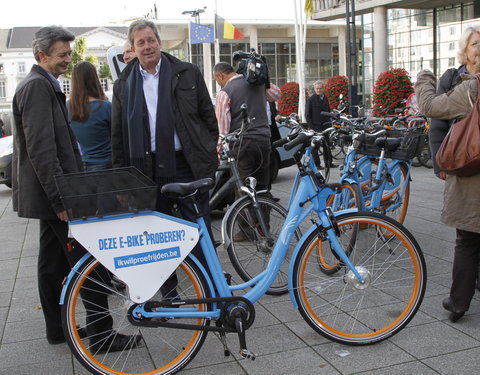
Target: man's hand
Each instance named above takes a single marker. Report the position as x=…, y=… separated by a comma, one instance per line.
x=62, y=215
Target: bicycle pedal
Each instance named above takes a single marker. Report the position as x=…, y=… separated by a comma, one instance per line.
x=247, y=354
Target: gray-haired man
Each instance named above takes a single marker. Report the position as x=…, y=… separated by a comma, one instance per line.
x=44, y=148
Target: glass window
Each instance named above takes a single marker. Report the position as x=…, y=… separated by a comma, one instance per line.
x=3, y=89
x=104, y=83
x=271, y=63
x=21, y=67
x=311, y=51
x=449, y=15
x=268, y=48
x=468, y=11
x=66, y=86
x=283, y=48
x=225, y=49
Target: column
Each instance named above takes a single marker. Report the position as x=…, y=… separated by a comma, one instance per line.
x=207, y=66
x=380, y=51
x=342, y=51
x=253, y=37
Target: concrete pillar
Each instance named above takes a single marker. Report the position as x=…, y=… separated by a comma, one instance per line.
x=253, y=37
x=380, y=51
x=207, y=66
x=342, y=51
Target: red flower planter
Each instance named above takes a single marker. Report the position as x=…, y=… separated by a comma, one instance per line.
x=390, y=88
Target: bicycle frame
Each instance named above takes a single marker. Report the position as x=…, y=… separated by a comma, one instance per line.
x=307, y=191
x=358, y=171
x=233, y=182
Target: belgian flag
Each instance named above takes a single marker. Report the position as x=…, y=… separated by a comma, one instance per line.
x=225, y=30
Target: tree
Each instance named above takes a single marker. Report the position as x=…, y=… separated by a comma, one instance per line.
x=105, y=71
x=391, y=87
x=78, y=54
x=92, y=59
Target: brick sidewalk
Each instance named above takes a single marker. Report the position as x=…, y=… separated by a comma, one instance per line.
x=285, y=344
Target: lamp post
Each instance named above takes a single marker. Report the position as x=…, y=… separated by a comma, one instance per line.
x=352, y=65
x=195, y=13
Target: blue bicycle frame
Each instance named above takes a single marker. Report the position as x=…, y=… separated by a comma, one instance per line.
x=387, y=179
x=309, y=196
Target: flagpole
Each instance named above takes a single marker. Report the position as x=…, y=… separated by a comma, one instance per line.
x=299, y=57
x=216, y=44
x=303, y=50
x=189, y=42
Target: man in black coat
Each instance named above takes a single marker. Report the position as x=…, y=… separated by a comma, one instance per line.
x=164, y=124
x=45, y=147
x=316, y=104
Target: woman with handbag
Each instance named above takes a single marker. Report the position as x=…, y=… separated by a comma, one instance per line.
x=447, y=82
x=461, y=208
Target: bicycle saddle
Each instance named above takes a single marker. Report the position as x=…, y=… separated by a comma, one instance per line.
x=390, y=144
x=186, y=188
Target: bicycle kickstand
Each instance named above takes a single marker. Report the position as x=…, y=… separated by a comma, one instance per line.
x=244, y=352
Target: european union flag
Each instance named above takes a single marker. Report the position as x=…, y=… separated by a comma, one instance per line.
x=201, y=33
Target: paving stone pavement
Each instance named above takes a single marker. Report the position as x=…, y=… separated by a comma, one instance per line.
x=285, y=344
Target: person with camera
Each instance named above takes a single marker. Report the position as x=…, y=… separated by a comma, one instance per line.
x=254, y=152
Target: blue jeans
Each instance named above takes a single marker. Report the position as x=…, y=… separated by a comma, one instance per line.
x=92, y=167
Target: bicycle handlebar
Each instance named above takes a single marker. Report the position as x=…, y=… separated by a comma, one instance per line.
x=280, y=142
x=299, y=139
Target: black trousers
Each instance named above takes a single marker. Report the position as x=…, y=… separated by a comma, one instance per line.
x=465, y=267
x=253, y=160
x=54, y=264
x=166, y=205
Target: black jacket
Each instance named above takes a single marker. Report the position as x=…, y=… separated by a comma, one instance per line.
x=44, y=147
x=195, y=120
x=440, y=128
x=315, y=105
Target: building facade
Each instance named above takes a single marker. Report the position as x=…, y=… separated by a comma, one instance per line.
x=16, y=57
x=408, y=34
x=276, y=41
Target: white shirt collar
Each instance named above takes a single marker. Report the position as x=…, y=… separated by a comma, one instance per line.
x=157, y=69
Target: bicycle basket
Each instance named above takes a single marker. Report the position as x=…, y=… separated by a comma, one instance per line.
x=407, y=150
x=106, y=192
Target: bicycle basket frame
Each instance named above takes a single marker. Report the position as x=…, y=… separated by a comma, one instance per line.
x=106, y=192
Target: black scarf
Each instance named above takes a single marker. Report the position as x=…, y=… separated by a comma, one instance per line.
x=133, y=109
x=137, y=118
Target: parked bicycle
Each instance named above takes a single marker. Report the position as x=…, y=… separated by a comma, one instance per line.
x=253, y=221
x=375, y=293
x=372, y=182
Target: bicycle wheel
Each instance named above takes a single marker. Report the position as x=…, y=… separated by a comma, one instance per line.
x=249, y=249
x=392, y=193
x=338, y=147
x=349, y=197
x=424, y=156
x=156, y=351
x=347, y=311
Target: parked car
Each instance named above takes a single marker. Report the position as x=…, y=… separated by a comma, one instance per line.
x=280, y=157
x=6, y=150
